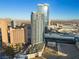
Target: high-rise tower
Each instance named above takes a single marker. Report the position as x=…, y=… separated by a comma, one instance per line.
x=44, y=8
x=37, y=19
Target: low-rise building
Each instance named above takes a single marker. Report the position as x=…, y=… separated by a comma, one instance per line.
x=68, y=28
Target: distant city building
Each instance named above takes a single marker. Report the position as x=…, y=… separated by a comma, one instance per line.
x=44, y=8
x=13, y=24
x=37, y=20
x=68, y=29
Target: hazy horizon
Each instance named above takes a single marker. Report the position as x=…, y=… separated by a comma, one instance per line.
x=49, y=19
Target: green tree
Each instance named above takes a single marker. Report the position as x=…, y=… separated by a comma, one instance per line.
x=18, y=47
x=9, y=51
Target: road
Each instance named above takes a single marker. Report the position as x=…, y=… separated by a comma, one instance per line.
x=2, y=54
x=66, y=51
x=70, y=50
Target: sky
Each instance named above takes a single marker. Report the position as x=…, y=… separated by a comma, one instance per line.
x=21, y=9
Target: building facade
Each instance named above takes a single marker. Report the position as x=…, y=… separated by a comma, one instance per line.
x=4, y=33
x=37, y=20
x=17, y=36
x=11, y=34
x=44, y=8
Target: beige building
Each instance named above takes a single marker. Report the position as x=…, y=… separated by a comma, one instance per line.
x=12, y=35
x=4, y=32
x=17, y=36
